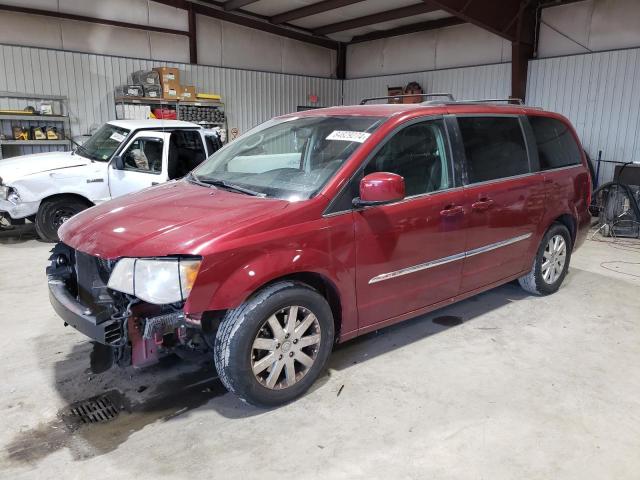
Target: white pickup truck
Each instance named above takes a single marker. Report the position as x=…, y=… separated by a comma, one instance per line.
x=123, y=156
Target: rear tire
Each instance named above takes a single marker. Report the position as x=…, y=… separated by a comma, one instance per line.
x=551, y=263
x=53, y=213
x=273, y=347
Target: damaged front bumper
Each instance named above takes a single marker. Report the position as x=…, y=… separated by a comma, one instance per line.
x=80, y=317
x=18, y=210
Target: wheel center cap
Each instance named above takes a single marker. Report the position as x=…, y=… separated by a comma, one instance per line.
x=286, y=346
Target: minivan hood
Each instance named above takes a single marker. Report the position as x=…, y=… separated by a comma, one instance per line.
x=15, y=168
x=173, y=218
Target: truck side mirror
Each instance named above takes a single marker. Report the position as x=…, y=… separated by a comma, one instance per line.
x=118, y=162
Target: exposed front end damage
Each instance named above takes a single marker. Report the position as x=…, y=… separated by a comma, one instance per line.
x=125, y=330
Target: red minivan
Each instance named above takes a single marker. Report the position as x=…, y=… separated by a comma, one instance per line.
x=316, y=227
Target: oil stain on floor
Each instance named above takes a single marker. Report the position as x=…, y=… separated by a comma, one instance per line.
x=89, y=433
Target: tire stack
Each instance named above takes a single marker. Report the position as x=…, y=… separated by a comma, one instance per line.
x=201, y=114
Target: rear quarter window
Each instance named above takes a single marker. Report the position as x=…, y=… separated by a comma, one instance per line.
x=557, y=147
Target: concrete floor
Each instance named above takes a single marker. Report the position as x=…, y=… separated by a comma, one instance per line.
x=525, y=387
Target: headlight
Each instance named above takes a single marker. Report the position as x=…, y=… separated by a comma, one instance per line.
x=9, y=193
x=155, y=280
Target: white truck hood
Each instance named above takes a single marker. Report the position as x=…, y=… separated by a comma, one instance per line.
x=15, y=168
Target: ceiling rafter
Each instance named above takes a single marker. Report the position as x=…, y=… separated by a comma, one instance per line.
x=215, y=10
x=236, y=4
x=495, y=16
x=406, y=29
x=376, y=18
x=313, y=9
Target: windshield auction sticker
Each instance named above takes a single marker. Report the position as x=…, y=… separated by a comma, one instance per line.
x=117, y=137
x=347, y=136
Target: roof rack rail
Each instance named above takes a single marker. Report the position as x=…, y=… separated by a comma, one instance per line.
x=516, y=101
x=398, y=97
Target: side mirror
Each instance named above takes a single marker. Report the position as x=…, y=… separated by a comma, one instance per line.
x=118, y=162
x=380, y=188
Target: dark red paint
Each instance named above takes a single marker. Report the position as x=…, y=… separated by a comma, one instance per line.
x=382, y=187
x=246, y=242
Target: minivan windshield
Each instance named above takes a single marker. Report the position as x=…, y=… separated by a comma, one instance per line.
x=102, y=144
x=289, y=158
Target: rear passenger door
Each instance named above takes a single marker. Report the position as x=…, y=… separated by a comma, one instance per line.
x=503, y=199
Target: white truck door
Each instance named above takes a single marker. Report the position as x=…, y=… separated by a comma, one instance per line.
x=144, y=163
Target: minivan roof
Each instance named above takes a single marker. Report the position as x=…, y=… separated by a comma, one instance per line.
x=390, y=109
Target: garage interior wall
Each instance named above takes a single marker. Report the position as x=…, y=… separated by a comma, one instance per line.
x=487, y=81
x=219, y=43
x=596, y=89
x=600, y=94
x=89, y=80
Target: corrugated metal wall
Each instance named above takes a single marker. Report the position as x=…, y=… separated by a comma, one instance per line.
x=600, y=94
x=488, y=81
x=88, y=81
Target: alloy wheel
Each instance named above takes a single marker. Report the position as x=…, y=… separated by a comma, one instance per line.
x=553, y=259
x=285, y=347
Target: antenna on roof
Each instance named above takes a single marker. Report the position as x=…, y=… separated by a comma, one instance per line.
x=413, y=95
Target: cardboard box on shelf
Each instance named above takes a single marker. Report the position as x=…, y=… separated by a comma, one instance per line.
x=171, y=92
x=170, y=81
x=168, y=75
x=187, y=92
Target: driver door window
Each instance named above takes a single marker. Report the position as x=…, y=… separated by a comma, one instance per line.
x=144, y=155
x=417, y=153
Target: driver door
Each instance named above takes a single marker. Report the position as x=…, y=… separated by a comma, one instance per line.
x=409, y=253
x=145, y=163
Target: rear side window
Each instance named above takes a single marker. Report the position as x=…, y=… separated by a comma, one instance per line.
x=556, y=145
x=494, y=148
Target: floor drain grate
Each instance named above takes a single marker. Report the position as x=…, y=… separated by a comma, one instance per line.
x=99, y=409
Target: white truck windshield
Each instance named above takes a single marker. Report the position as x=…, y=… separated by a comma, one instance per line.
x=102, y=144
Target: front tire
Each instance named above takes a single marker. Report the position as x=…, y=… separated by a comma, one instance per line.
x=53, y=213
x=273, y=347
x=551, y=263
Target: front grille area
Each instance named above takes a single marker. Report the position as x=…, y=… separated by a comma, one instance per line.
x=92, y=276
x=85, y=277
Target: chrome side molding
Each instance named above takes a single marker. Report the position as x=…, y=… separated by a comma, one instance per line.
x=451, y=258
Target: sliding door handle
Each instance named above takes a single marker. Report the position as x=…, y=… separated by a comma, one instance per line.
x=452, y=211
x=482, y=205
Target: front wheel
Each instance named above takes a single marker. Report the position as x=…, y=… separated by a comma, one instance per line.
x=551, y=263
x=53, y=213
x=272, y=348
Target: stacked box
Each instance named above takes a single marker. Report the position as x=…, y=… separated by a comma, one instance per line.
x=129, y=91
x=153, y=91
x=187, y=92
x=170, y=81
x=145, y=77
x=132, y=112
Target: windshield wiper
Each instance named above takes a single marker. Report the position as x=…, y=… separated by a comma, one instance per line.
x=82, y=148
x=225, y=184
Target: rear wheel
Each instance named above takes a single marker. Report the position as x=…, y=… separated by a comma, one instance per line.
x=272, y=348
x=551, y=263
x=54, y=212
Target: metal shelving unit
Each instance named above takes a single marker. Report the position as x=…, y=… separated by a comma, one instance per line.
x=17, y=101
x=175, y=105
x=35, y=142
